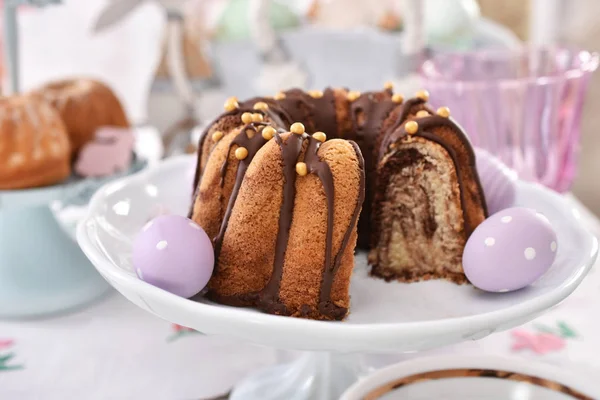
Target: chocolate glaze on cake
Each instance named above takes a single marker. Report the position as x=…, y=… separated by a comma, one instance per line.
x=368, y=113
x=249, y=138
x=268, y=297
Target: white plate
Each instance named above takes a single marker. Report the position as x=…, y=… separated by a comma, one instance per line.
x=476, y=378
x=384, y=316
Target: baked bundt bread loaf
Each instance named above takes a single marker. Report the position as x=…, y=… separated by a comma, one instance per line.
x=84, y=105
x=377, y=123
x=34, y=144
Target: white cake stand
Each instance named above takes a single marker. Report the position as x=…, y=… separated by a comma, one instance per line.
x=385, y=317
x=42, y=270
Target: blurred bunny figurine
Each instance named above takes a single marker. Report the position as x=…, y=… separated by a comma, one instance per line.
x=111, y=151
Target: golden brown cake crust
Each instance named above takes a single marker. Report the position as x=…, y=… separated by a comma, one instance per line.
x=281, y=268
x=84, y=105
x=34, y=145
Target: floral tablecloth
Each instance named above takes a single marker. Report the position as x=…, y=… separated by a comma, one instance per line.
x=113, y=350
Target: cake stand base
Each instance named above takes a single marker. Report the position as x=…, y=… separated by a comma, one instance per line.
x=42, y=270
x=314, y=376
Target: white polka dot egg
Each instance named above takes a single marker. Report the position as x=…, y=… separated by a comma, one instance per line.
x=510, y=250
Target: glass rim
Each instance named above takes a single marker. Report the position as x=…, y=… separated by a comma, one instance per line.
x=588, y=65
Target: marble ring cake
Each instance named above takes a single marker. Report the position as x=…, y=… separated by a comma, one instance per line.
x=286, y=206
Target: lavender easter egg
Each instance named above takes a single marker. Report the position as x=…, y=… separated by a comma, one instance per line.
x=510, y=250
x=175, y=254
x=497, y=181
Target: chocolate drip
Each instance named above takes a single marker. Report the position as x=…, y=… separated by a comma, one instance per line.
x=405, y=111
x=323, y=111
x=407, y=106
x=436, y=121
x=252, y=144
x=326, y=305
x=297, y=106
x=203, y=137
x=316, y=113
x=321, y=169
x=374, y=107
x=290, y=151
x=275, y=113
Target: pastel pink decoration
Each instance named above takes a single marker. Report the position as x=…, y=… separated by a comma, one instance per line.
x=539, y=343
x=6, y=343
x=110, y=152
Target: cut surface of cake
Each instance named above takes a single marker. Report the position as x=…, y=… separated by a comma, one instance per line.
x=422, y=196
x=427, y=201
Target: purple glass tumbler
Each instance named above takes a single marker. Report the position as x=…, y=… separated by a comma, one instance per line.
x=524, y=106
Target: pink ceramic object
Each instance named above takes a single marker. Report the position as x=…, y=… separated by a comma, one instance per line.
x=522, y=106
x=109, y=153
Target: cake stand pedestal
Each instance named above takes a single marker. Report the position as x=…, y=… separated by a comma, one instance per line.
x=314, y=375
x=384, y=317
x=42, y=269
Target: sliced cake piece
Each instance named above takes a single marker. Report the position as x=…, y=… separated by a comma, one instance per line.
x=427, y=202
